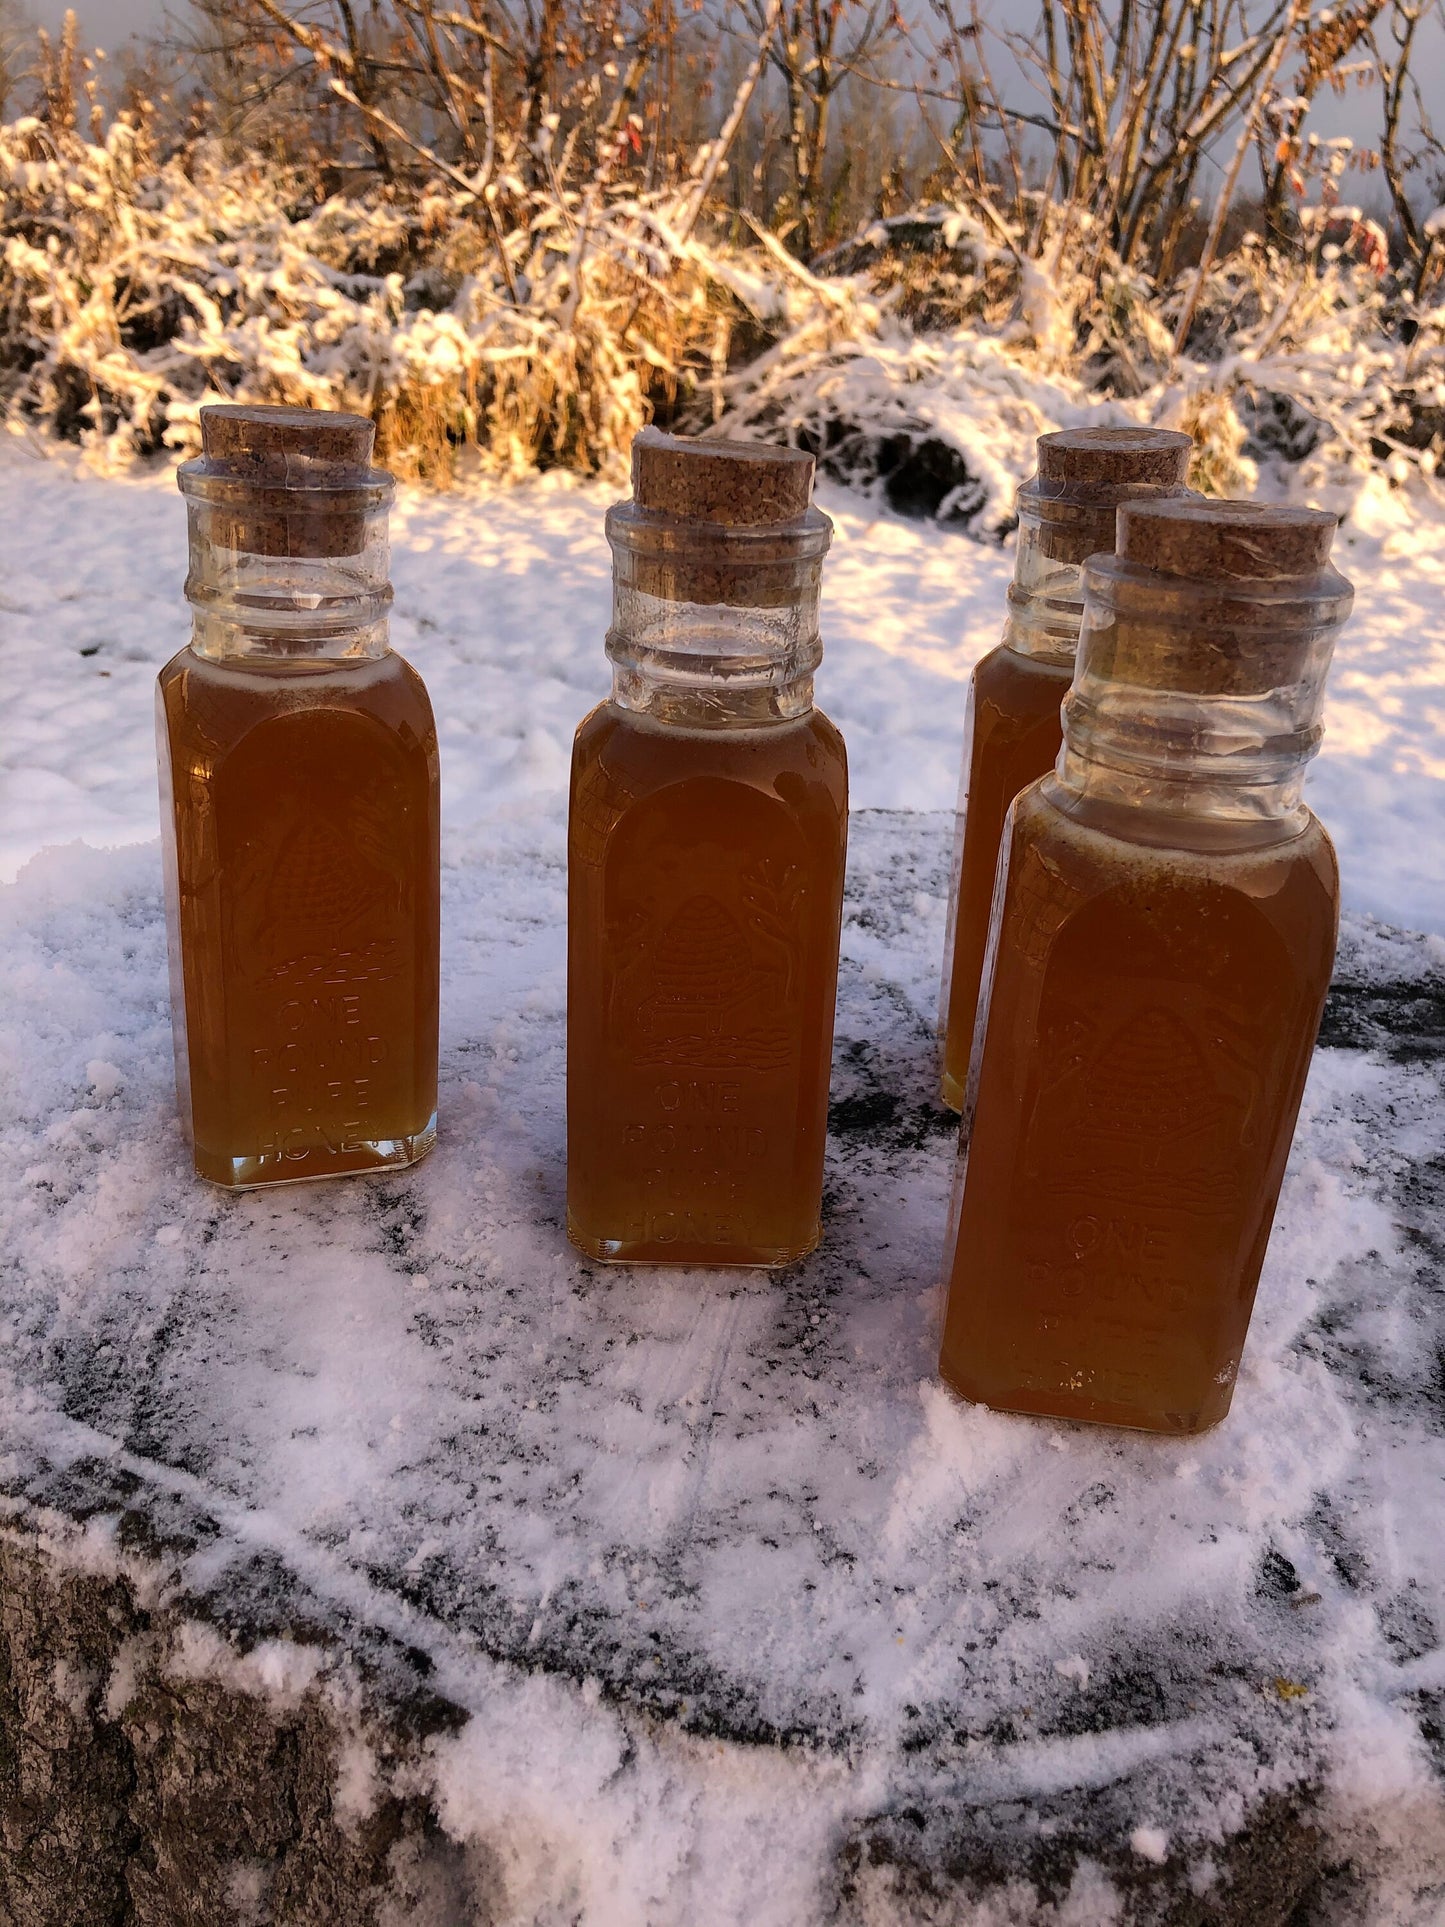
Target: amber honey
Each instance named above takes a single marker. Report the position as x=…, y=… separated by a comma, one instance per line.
x=705, y=895
x=1149, y=1028
x=1160, y=944
x=299, y=817
x=706, y=839
x=305, y=885
x=1014, y=736
x=1066, y=513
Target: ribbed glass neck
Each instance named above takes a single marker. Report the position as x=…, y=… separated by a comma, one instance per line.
x=1195, y=699
x=287, y=574
x=1059, y=529
x=714, y=626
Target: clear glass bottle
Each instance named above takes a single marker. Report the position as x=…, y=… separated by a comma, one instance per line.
x=298, y=767
x=705, y=872
x=1160, y=950
x=1012, y=729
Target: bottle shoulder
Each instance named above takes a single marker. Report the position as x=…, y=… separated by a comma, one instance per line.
x=829, y=737
x=406, y=677
x=1163, y=922
x=289, y=679
x=622, y=757
x=1103, y=848
x=635, y=737
x=171, y=672
x=1019, y=692
x=1005, y=663
x=226, y=699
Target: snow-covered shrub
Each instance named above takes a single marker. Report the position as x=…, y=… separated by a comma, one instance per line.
x=1306, y=362
x=920, y=361
x=133, y=291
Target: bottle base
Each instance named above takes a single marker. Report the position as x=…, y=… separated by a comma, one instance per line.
x=657, y=1251
x=358, y=1160
x=1089, y=1411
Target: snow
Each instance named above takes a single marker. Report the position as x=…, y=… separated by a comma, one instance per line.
x=1150, y=1843
x=744, y=1609
x=727, y=1583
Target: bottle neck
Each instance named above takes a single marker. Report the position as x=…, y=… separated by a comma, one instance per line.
x=712, y=666
x=714, y=627
x=1059, y=529
x=1166, y=806
x=288, y=575
x=1044, y=623
x=232, y=636
x=1196, y=701
x=1046, y=596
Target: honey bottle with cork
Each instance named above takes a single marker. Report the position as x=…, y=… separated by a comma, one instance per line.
x=1161, y=946
x=707, y=830
x=1012, y=733
x=299, y=810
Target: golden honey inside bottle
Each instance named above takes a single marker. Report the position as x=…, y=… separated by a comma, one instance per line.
x=1161, y=947
x=705, y=873
x=1013, y=729
x=298, y=765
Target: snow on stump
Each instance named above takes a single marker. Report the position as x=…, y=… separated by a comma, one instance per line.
x=368, y=1556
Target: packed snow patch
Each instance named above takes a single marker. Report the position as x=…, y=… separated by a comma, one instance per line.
x=747, y=1616
x=1150, y=1843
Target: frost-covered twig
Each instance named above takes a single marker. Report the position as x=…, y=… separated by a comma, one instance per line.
x=1224, y=200
x=713, y=153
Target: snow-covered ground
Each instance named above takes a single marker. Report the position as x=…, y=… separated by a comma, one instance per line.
x=501, y=602
x=747, y=1622
x=642, y=1522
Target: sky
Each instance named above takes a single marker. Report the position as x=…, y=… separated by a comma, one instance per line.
x=104, y=23
x=107, y=23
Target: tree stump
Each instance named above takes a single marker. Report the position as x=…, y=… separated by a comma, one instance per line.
x=369, y=1556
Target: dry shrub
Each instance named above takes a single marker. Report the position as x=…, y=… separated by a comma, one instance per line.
x=1219, y=465
x=921, y=362
x=136, y=290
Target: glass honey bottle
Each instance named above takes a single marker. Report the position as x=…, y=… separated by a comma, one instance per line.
x=1012, y=731
x=707, y=831
x=1161, y=946
x=298, y=765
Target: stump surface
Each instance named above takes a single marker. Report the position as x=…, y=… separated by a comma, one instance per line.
x=370, y=1556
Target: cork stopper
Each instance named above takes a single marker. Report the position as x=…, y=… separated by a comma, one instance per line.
x=719, y=523
x=259, y=443
x=1206, y=541
x=286, y=481
x=1085, y=473
x=1217, y=598
x=1099, y=461
x=732, y=484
